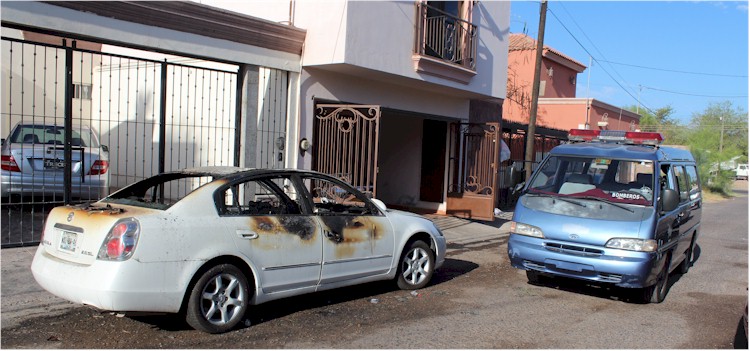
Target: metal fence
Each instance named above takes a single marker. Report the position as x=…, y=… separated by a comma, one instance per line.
x=141, y=117
x=512, y=171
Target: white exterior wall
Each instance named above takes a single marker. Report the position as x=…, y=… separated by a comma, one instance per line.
x=57, y=18
x=379, y=36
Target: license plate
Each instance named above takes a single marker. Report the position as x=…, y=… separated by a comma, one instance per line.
x=56, y=163
x=68, y=241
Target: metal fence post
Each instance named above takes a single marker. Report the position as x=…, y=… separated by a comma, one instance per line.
x=68, y=150
x=163, y=118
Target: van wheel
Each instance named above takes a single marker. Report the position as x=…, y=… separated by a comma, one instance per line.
x=533, y=276
x=658, y=292
x=688, y=261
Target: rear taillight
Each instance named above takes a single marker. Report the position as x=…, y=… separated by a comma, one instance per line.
x=8, y=163
x=99, y=167
x=121, y=241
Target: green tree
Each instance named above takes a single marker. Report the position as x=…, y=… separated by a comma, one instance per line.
x=660, y=120
x=717, y=135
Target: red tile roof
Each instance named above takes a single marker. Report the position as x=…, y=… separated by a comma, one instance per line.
x=520, y=42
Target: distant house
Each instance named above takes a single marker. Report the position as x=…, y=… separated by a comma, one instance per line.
x=559, y=109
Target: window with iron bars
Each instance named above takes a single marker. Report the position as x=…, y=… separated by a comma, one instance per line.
x=82, y=91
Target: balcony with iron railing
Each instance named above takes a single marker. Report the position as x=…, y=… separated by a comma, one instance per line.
x=445, y=45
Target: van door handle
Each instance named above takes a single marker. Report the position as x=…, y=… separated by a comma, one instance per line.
x=247, y=234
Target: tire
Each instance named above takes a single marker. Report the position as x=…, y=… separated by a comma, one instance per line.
x=416, y=266
x=218, y=300
x=658, y=292
x=688, y=261
x=534, y=277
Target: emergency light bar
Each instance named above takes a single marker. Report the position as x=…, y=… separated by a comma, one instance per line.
x=617, y=136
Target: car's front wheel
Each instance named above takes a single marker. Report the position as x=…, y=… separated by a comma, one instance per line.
x=416, y=266
x=218, y=300
x=658, y=292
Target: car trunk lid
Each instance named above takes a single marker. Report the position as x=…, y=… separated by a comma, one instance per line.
x=76, y=233
x=33, y=158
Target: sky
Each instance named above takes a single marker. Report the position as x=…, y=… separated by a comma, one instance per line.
x=683, y=54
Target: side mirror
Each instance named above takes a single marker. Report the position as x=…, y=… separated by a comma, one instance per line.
x=381, y=206
x=669, y=200
x=105, y=148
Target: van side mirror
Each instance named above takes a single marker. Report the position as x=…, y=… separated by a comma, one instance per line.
x=105, y=148
x=669, y=200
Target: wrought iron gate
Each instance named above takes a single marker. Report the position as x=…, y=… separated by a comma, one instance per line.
x=149, y=116
x=474, y=161
x=346, y=143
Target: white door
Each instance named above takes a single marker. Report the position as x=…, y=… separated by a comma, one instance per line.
x=358, y=240
x=271, y=230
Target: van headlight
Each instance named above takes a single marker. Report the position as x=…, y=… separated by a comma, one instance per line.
x=526, y=229
x=630, y=244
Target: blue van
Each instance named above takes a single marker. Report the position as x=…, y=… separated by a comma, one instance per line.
x=610, y=207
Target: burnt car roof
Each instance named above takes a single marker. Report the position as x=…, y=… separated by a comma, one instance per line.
x=235, y=172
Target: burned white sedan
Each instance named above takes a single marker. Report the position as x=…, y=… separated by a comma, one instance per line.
x=209, y=242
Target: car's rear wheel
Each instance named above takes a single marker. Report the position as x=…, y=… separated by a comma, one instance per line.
x=218, y=300
x=416, y=266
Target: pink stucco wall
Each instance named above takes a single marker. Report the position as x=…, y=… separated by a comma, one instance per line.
x=572, y=114
x=521, y=75
x=558, y=106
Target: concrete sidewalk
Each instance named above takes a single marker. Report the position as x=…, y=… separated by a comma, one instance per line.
x=22, y=298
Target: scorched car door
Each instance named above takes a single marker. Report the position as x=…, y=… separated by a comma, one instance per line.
x=358, y=240
x=273, y=233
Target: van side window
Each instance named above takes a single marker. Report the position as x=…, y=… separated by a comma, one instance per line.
x=665, y=178
x=695, y=187
x=682, y=183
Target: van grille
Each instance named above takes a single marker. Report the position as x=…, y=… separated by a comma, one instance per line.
x=573, y=250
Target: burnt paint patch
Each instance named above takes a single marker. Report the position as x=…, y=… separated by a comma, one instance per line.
x=303, y=227
x=352, y=229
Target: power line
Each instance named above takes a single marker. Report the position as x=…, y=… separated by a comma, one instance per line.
x=601, y=54
x=699, y=95
x=677, y=71
x=605, y=71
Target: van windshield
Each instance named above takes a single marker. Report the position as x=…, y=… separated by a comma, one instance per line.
x=612, y=180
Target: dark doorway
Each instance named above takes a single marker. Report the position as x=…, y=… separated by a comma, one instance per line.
x=432, y=182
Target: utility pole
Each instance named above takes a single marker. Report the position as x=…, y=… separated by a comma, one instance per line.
x=638, y=108
x=588, y=100
x=721, y=138
x=530, y=134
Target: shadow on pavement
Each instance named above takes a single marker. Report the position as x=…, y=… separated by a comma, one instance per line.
x=600, y=290
x=272, y=310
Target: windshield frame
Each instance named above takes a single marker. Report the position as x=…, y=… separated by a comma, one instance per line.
x=602, y=186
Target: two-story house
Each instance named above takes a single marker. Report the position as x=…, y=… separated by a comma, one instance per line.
x=559, y=110
x=401, y=98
